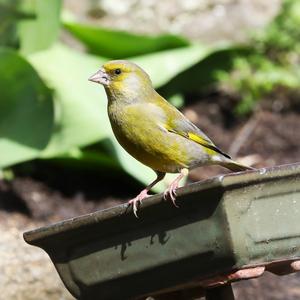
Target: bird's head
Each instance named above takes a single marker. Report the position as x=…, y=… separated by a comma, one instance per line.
x=123, y=79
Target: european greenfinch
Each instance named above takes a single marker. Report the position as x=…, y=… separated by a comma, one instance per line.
x=154, y=131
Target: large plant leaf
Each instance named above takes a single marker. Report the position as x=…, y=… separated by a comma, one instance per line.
x=80, y=106
x=204, y=73
x=165, y=65
x=120, y=44
x=42, y=31
x=26, y=110
x=93, y=160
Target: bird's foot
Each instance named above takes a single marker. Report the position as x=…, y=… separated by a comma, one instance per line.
x=170, y=192
x=138, y=200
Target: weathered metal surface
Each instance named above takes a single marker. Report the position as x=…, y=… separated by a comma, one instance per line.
x=237, y=221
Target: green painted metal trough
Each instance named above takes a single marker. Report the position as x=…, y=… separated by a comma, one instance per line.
x=227, y=228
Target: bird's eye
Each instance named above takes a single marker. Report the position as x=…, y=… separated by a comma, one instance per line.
x=117, y=71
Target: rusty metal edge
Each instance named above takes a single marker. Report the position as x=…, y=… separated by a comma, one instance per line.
x=232, y=180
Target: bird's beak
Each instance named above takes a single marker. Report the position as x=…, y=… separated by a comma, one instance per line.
x=100, y=77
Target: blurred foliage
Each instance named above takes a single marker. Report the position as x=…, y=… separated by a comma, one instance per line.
x=9, y=15
x=48, y=109
x=26, y=110
x=115, y=44
x=201, y=76
x=272, y=62
x=42, y=30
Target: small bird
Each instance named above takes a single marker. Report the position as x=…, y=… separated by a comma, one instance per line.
x=152, y=130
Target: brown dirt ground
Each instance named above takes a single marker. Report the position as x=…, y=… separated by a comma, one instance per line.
x=270, y=138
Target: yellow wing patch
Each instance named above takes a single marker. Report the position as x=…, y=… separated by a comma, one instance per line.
x=207, y=146
x=198, y=139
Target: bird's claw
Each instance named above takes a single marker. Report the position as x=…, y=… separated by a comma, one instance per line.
x=135, y=202
x=171, y=193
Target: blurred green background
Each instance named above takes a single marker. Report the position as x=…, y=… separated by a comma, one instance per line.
x=48, y=109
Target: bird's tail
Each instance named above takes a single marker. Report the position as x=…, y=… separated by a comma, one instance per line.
x=235, y=166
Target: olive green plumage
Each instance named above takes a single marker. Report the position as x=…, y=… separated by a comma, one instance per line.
x=150, y=128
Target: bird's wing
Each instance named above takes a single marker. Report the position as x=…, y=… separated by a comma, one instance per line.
x=174, y=121
x=187, y=129
x=177, y=123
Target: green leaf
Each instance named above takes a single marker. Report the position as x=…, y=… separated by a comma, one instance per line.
x=87, y=159
x=41, y=32
x=204, y=73
x=121, y=44
x=26, y=110
x=80, y=106
x=165, y=65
